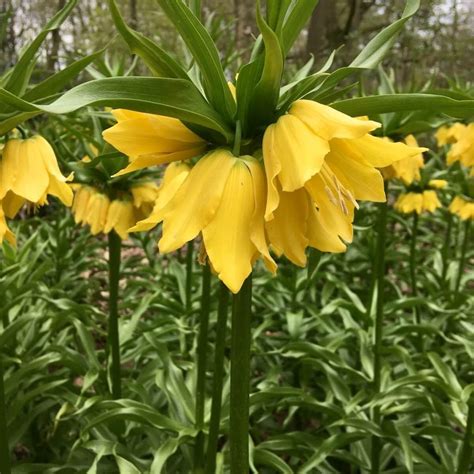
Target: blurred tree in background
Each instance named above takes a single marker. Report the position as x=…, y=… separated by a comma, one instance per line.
x=438, y=44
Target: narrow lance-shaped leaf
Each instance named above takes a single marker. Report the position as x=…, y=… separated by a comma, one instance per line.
x=56, y=82
x=205, y=53
x=158, y=60
x=171, y=97
x=384, y=104
x=19, y=77
x=267, y=90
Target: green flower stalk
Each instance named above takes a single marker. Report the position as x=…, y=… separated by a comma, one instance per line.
x=240, y=379
x=115, y=245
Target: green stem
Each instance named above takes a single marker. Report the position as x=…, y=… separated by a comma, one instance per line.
x=189, y=274
x=5, y=466
x=221, y=328
x=240, y=379
x=462, y=260
x=115, y=245
x=465, y=455
x=446, y=244
x=237, y=139
x=378, y=328
x=201, y=368
x=414, y=289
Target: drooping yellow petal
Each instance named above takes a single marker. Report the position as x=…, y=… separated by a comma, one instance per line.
x=120, y=217
x=437, y=183
x=375, y=151
x=329, y=123
x=146, y=161
x=173, y=178
x=227, y=236
x=5, y=232
x=321, y=238
x=363, y=181
x=287, y=230
x=335, y=210
x=11, y=204
x=257, y=233
x=97, y=210
x=299, y=151
x=196, y=201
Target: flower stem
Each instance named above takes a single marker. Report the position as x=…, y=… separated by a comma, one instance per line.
x=445, y=251
x=378, y=328
x=221, y=329
x=189, y=274
x=115, y=245
x=240, y=379
x=5, y=466
x=465, y=455
x=237, y=138
x=462, y=260
x=414, y=234
x=201, y=368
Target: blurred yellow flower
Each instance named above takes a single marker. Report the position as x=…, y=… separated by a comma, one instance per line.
x=463, y=149
x=150, y=140
x=427, y=201
x=437, y=183
x=408, y=169
x=222, y=197
x=319, y=162
x=462, y=208
x=28, y=168
x=448, y=135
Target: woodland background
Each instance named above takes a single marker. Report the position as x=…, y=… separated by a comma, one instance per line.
x=438, y=44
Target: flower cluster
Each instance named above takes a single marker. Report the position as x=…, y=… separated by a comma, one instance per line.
x=299, y=189
x=461, y=137
x=29, y=172
x=463, y=208
x=94, y=208
x=426, y=201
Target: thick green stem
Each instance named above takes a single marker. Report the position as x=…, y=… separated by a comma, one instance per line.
x=218, y=381
x=202, y=367
x=414, y=289
x=189, y=274
x=240, y=379
x=446, y=245
x=115, y=246
x=466, y=453
x=5, y=466
x=462, y=259
x=378, y=328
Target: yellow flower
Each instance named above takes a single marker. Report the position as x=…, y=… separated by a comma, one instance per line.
x=427, y=201
x=5, y=232
x=97, y=211
x=120, y=217
x=29, y=169
x=151, y=140
x=448, y=135
x=173, y=178
x=144, y=195
x=222, y=197
x=462, y=208
x=408, y=169
x=437, y=183
x=319, y=162
x=463, y=149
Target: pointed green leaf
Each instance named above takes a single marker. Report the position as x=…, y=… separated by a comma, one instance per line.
x=206, y=55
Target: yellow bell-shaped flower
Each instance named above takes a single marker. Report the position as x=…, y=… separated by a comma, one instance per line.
x=448, y=135
x=407, y=169
x=462, y=208
x=222, y=197
x=28, y=168
x=427, y=201
x=463, y=149
x=150, y=140
x=319, y=162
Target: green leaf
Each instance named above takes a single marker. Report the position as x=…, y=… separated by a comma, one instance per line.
x=267, y=458
x=267, y=90
x=172, y=97
x=297, y=17
x=206, y=55
x=20, y=75
x=156, y=58
x=56, y=82
x=383, y=104
x=445, y=372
